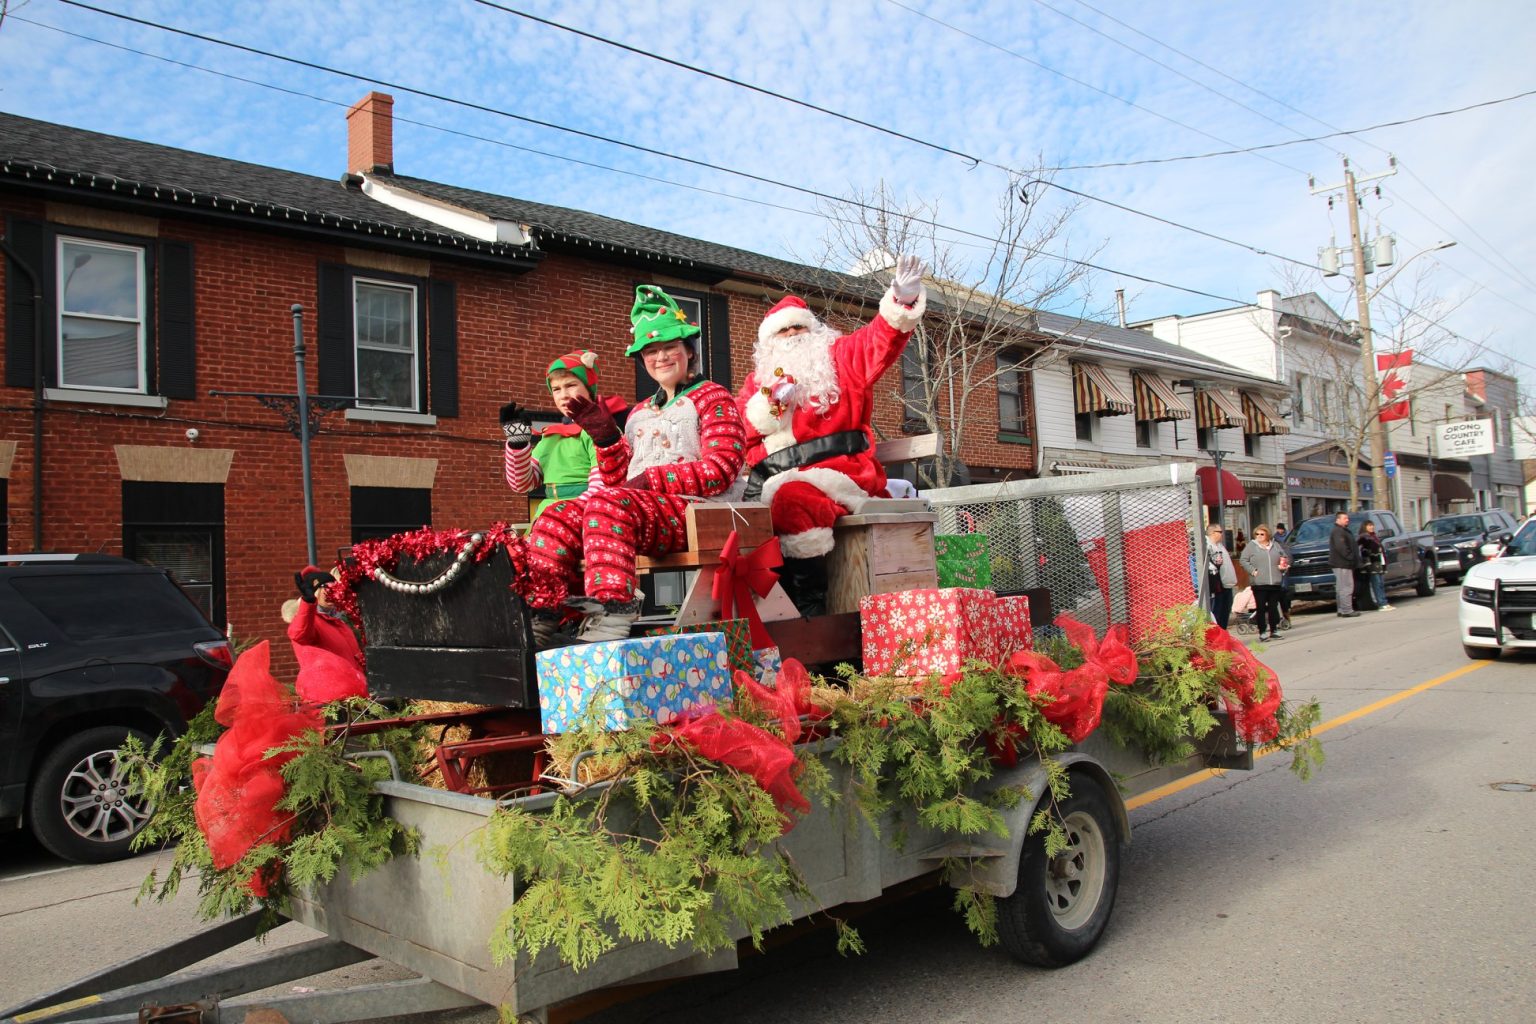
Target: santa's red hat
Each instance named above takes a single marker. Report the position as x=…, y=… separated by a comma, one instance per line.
x=790, y=311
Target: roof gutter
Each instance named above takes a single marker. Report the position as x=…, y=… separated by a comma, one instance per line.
x=154, y=200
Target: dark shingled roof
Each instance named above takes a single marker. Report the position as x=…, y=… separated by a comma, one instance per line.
x=51, y=157
x=44, y=155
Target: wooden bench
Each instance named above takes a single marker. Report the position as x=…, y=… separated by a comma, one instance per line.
x=887, y=547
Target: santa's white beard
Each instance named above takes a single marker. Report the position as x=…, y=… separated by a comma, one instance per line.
x=805, y=357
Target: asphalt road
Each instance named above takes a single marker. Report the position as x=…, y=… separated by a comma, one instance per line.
x=1399, y=884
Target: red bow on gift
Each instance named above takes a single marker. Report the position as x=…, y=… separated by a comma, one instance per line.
x=740, y=576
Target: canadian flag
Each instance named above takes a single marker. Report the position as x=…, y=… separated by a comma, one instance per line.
x=1393, y=372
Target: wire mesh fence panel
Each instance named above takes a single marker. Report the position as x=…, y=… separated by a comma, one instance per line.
x=1116, y=548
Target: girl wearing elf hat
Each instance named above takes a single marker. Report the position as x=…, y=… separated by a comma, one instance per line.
x=564, y=461
x=682, y=444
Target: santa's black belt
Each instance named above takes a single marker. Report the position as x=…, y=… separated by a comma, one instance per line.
x=806, y=453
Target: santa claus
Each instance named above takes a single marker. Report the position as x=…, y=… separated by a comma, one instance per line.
x=807, y=404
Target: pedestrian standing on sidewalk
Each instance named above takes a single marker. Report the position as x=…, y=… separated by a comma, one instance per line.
x=1220, y=577
x=1266, y=564
x=1343, y=559
x=1373, y=564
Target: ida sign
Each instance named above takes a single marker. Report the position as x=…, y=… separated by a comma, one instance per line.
x=1458, y=440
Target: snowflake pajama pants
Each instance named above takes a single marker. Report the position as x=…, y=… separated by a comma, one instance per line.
x=608, y=529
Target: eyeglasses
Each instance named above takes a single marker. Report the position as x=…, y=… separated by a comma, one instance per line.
x=653, y=352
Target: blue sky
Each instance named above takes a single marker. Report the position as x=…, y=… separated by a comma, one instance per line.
x=1019, y=83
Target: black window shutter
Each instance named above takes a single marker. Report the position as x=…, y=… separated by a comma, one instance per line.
x=720, y=341
x=334, y=330
x=443, y=347
x=178, y=323
x=28, y=238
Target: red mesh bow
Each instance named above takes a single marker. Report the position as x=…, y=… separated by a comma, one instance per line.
x=1252, y=716
x=1076, y=696
x=238, y=788
x=788, y=700
x=740, y=576
x=743, y=746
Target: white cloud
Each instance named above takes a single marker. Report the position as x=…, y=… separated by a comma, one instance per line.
x=874, y=60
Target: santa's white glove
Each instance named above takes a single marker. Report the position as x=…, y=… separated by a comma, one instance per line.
x=907, y=280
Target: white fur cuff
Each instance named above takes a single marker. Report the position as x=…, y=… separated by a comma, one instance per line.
x=810, y=544
x=899, y=316
x=760, y=416
x=790, y=316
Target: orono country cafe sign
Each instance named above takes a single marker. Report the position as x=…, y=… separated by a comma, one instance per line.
x=1460, y=440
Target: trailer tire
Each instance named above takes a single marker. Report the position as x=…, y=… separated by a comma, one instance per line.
x=1062, y=904
x=79, y=808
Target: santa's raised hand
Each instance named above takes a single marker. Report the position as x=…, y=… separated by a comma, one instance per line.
x=907, y=279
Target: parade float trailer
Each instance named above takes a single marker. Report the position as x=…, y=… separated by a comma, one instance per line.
x=1111, y=548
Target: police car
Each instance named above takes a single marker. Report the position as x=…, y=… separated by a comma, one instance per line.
x=1498, y=598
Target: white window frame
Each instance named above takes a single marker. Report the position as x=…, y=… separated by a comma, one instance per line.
x=416, y=345
x=62, y=278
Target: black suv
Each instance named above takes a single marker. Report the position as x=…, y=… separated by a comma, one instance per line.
x=1459, y=539
x=93, y=649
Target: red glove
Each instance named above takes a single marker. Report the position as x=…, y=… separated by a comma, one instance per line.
x=595, y=420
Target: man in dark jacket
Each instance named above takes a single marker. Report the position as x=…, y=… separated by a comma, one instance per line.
x=1343, y=559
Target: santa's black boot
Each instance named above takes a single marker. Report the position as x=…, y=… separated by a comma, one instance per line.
x=805, y=581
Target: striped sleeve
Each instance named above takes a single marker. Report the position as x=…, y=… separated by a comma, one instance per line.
x=520, y=469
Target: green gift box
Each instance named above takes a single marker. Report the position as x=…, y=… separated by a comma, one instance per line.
x=963, y=560
x=738, y=640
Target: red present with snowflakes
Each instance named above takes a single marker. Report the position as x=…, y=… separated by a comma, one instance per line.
x=916, y=632
x=1010, y=631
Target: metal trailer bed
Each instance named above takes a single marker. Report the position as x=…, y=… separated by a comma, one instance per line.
x=433, y=914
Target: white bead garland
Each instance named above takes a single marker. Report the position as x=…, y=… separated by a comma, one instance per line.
x=443, y=578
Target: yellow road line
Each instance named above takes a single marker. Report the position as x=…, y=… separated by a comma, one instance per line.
x=1171, y=788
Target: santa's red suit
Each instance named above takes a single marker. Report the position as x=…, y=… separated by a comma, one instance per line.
x=813, y=454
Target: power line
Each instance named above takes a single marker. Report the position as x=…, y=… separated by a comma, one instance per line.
x=685, y=66
x=1214, y=70
x=1279, y=145
x=1521, y=277
x=826, y=197
x=1167, y=67
x=1086, y=85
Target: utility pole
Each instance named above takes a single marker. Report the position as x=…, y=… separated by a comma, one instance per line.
x=1376, y=429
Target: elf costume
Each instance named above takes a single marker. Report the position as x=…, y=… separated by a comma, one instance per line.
x=672, y=452
x=564, y=461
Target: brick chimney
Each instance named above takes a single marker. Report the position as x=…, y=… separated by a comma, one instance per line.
x=1477, y=386
x=371, y=134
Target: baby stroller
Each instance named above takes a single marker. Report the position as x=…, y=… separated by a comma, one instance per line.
x=1244, y=612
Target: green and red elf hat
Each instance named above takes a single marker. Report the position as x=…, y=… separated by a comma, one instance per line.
x=655, y=319
x=579, y=363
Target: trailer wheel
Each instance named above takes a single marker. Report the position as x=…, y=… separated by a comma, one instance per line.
x=80, y=807
x=1062, y=904
x=1425, y=585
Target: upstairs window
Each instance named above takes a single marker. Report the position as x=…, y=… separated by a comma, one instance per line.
x=102, y=307
x=386, y=330
x=1014, y=415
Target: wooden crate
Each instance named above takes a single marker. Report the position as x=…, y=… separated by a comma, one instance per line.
x=880, y=553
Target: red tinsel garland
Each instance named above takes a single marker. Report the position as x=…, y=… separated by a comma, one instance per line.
x=369, y=556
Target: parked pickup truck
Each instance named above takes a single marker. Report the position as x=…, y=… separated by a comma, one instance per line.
x=1410, y=556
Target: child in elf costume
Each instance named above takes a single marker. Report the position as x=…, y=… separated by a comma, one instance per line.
x=684, y=443
x=564, y=461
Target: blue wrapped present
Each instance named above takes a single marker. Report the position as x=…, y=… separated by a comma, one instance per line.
x=659, y=677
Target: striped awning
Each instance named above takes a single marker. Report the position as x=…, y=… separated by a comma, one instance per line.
x=1218, y=409
x=1094, y=392
x=1156, y=400
x=1262, y=416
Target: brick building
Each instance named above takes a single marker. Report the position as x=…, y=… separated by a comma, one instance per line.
x=159, y=275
